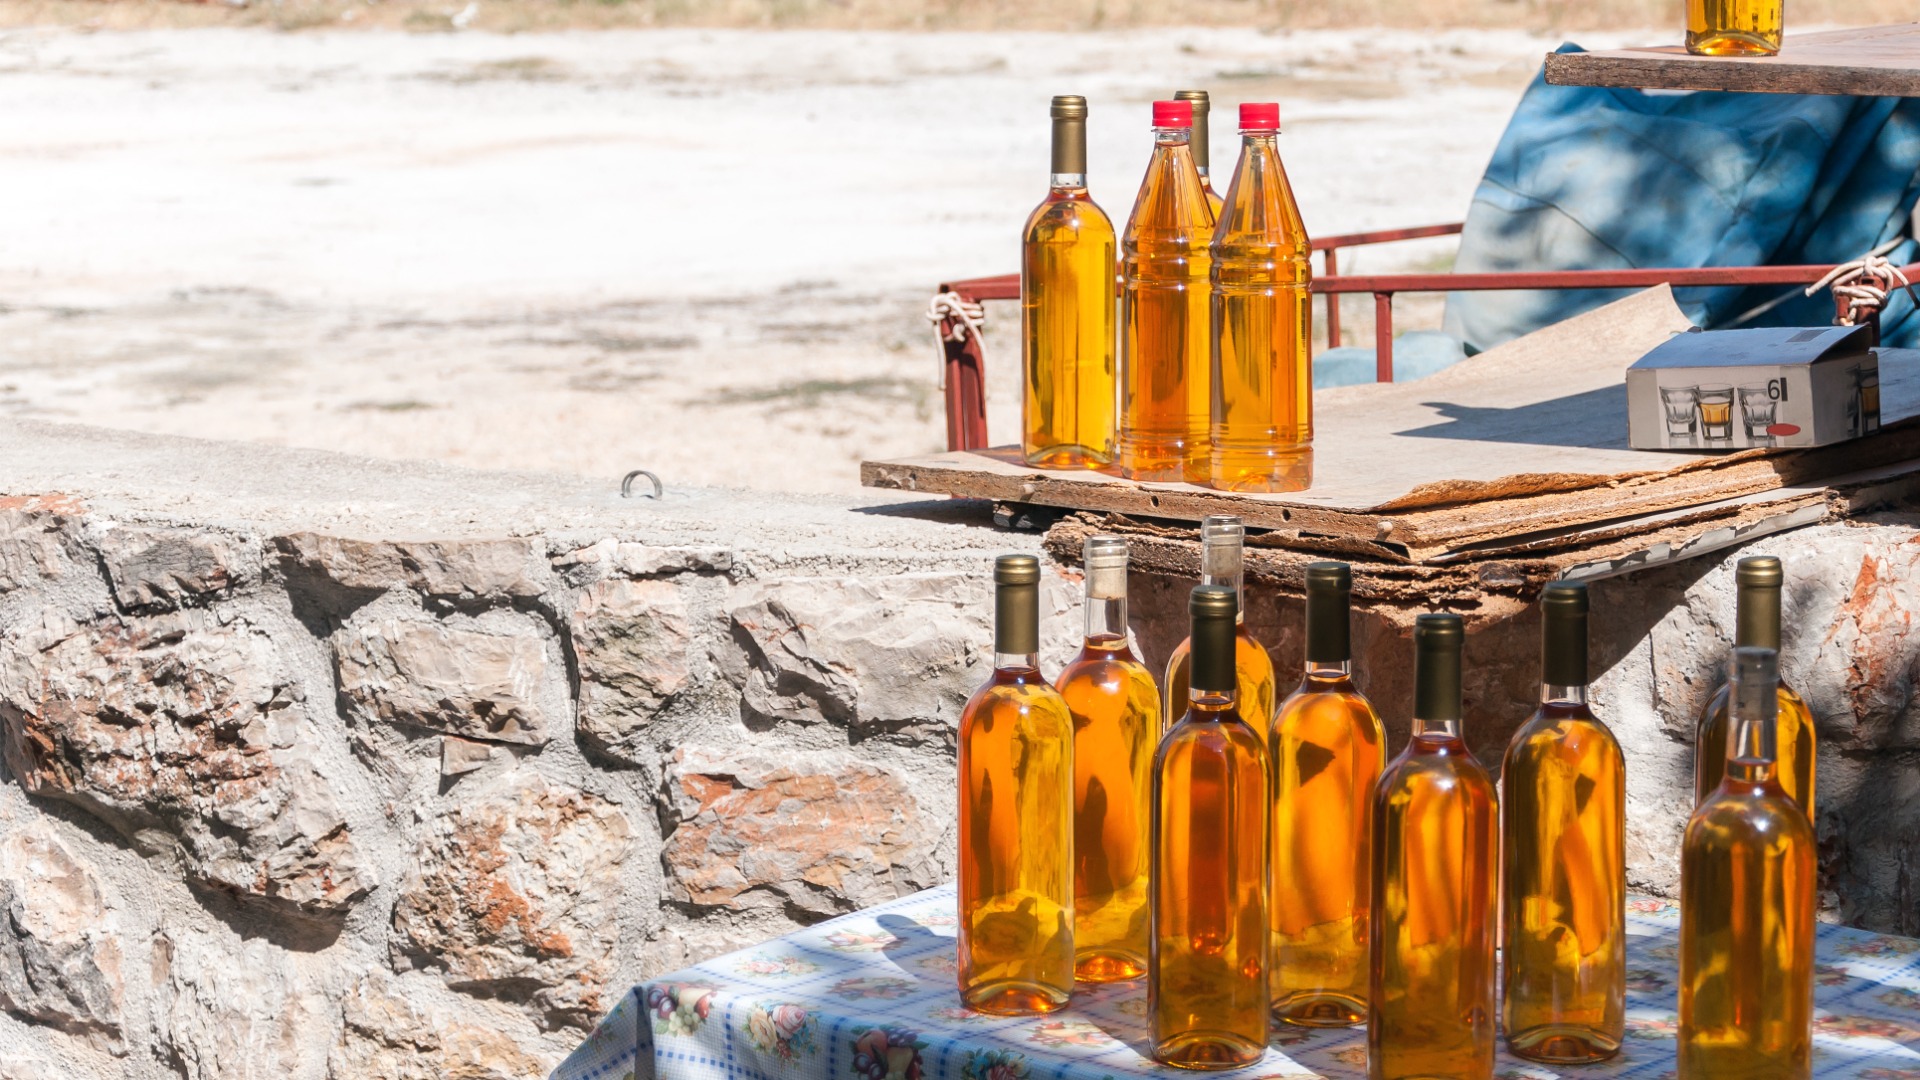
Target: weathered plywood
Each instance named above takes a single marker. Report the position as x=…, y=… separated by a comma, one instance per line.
x=1872, y=61
x=1521, y=440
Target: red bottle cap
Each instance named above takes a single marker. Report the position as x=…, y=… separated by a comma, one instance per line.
x=1173, y=114
x=1259, y=116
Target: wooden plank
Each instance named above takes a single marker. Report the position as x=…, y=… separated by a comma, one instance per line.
x=1871, y=61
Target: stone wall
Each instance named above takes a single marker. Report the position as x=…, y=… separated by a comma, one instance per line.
x=317, y=767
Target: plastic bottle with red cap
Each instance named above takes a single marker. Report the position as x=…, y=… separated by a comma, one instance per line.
x=1164, y=324
x=1260, y=374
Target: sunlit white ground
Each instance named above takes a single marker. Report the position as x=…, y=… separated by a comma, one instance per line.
x=701, y=253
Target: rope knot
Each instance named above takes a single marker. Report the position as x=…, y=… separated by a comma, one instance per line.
x=953, y=317
x=1865, y=284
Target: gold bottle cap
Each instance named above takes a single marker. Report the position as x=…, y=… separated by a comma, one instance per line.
x=1758, y=572
x=1069, y=107
x=1201, y=106
x=1016, y=570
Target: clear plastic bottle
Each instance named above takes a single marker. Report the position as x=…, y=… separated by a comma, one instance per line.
x=1067, y=311
x=1165, y=327
x=1261, y=371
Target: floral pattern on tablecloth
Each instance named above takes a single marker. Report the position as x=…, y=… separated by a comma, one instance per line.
x=870, y=996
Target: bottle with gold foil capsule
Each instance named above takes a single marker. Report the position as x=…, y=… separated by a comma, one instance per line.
x=1223, y=562
x=1016, y=818
x=1261, y=371
x=1116, y=725
x=1430, y=1007
x=1165, y=328
x=1206, y=977
x=1067, y=311
x=1734, y=27
x=1757, y=582
x=1747, y=869
x=1325, y=750
x=1563, y=796
x=1202, y=147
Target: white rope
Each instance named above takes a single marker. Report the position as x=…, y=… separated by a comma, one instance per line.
x=968, y=315
x=1865, y=283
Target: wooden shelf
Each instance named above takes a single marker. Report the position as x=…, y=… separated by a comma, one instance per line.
x=1872, y=61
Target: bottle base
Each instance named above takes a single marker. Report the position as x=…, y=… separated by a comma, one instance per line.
x=1014, y=999
x=1262, y=472
x=1208, y=1051
x=1732, y=43
x=1554, y=1044
x=1108, y=968
x=1170, y=462
x=1067, y=457
x=1320, y=1010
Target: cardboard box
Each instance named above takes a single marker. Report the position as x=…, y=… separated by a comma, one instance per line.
x=1722, y=390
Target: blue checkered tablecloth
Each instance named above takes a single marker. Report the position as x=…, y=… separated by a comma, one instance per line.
x=870, y=996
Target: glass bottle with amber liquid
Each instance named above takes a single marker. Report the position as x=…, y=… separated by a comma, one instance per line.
x=1261, y=368
x=1016, y=818
x=1206, y=976
x=1757, y=581
x=1164, y=321
x=1430, y=1007
x=1325, y=750
x=1201, y=143
x=1734, y=27
x=1563, y=802
x=1746, y=906
x=1067, y=311
x=1223, y=562
x=1116, y=726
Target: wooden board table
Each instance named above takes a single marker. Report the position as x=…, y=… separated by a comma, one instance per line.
x=1482, y=481
x=1871, y=61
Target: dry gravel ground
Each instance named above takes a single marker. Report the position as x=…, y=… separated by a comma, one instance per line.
x=701, y=252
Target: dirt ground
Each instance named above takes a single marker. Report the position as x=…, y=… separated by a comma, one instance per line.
x=703, y=252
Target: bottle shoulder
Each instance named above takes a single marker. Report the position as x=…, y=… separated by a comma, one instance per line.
x=1023, y=691
x=1748, y=815
x=1317, y=705
x=1436, y=765
x=1556, y=727
x=1230, y=735
x=1077, y=220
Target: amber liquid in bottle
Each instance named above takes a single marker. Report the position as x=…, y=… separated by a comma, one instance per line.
x=1430, y=1006
x=1734, y=27
x=1116, y=726
x=1262, y=376
x=1325, y=750
x=1757, y=581
x=1222, y=561
x=1563, y=799
x=1201, y=143
x=1207, y=977
x=1164, y=323
x=1016, y=818
x=1746, y=907
x=1067, y=311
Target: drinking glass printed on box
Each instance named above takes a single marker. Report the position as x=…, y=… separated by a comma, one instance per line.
x=1683, y=418
x=1716, y=413
x=1758, y=410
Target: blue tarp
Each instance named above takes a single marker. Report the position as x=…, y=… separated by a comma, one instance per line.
x=1588, y=178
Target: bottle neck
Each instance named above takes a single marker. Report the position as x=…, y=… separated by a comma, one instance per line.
x=1069, y=149
x=1752, y=727
x=1328, y=670
x=1223, y=562
x=1329, y=629
x=1067, y=183
x=1757, y=617
x=1169, y=138
x=1006, y=661
x=1016, y=622
x=1211, y=671
x=1107, y=617
x=1560, y=694
x=1437, y=729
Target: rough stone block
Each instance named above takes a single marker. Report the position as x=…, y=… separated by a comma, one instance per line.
x=60, y=960
x=390, y=1036
x=182, y=729
x=631, y=642
x=161, y=570
x=227, y=1009
x=823, y=832
x=481, y=680
x=515, y=892
x=443, y=568
x=37, y=540
x=898, y=654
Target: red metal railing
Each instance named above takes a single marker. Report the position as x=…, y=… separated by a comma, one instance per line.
x=966, y=362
